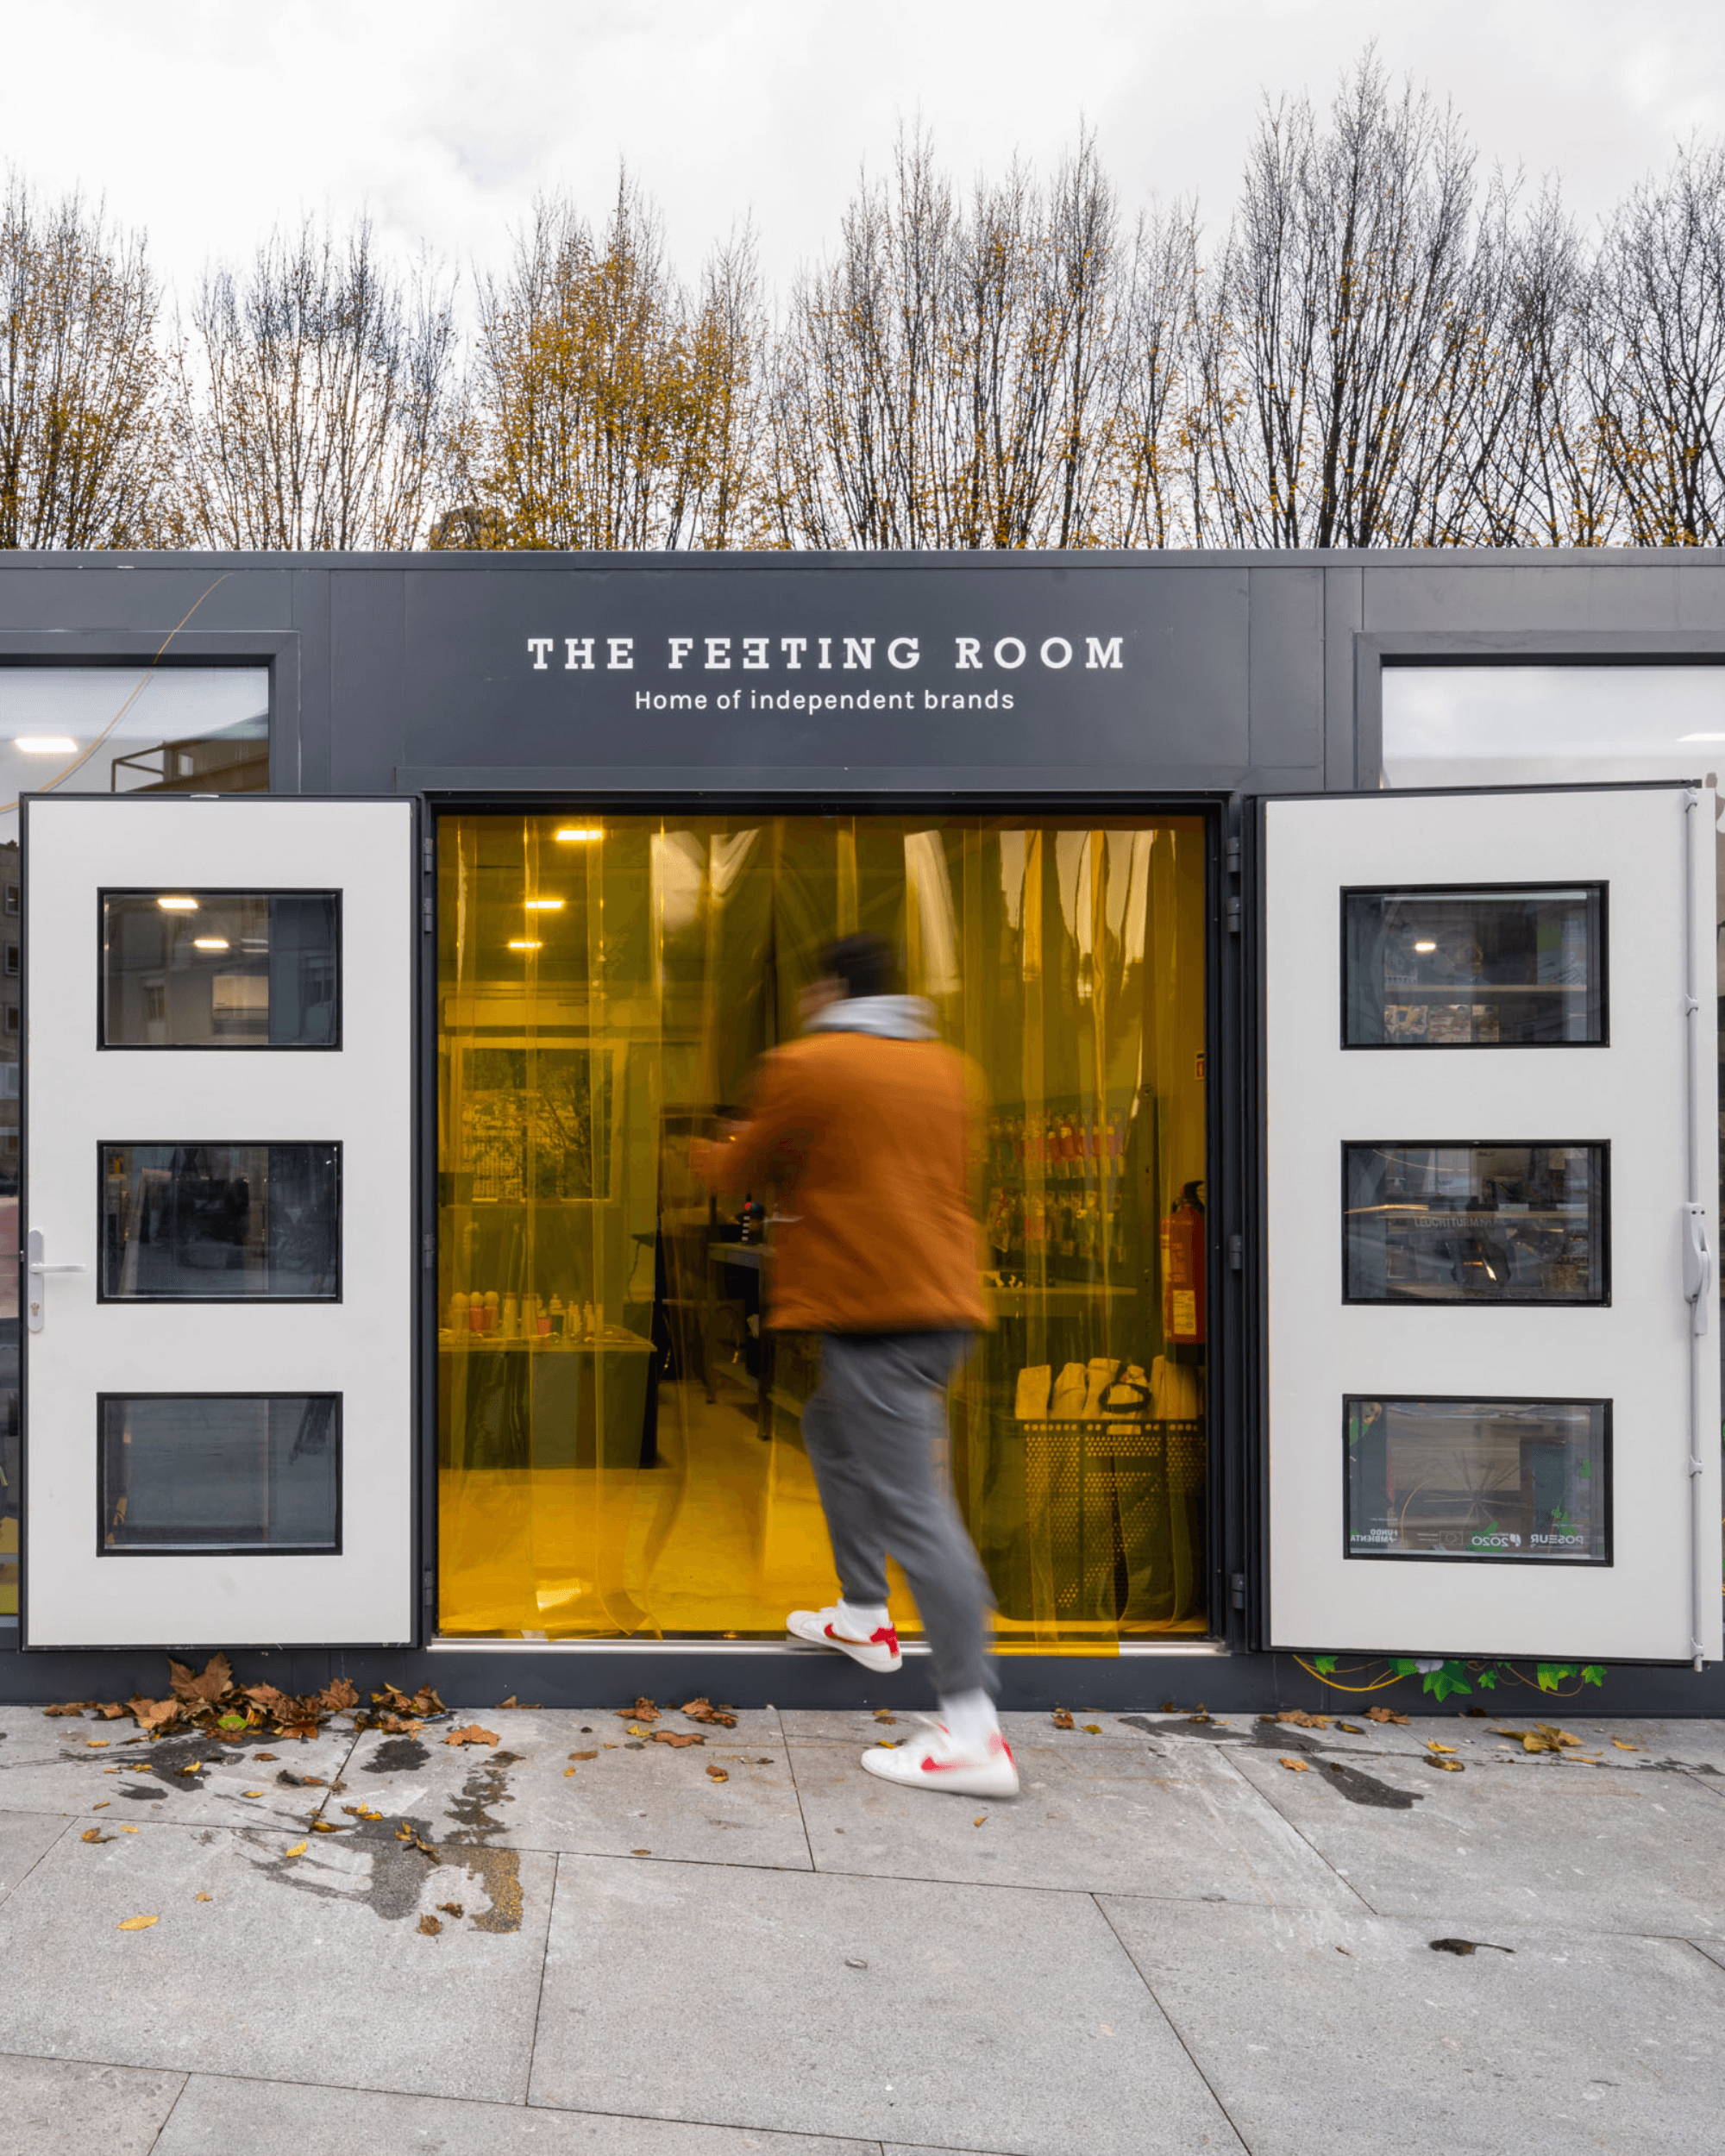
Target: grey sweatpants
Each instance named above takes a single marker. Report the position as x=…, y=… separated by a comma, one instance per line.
x=871, y=1427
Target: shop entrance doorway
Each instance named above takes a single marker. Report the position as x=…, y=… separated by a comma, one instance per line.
x=618, y=1435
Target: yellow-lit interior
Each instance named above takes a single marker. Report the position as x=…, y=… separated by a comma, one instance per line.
x=619, y=1458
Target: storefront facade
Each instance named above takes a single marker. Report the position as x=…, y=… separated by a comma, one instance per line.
x=1333, y=940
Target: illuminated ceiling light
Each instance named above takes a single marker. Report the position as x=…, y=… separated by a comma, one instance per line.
x=579, y=834
x=524, y=943
x=46, y=745
x=1427, y=946
x=210, y=942
x=178, y=905
x=1682, y=737
x=543, y=906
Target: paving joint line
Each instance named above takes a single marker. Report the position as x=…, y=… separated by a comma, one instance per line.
x=539, y=1997
x=167, y=2117
x=1172, y=2026
x=1294, y=1829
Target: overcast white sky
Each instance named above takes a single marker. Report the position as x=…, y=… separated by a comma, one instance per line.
x=208, y=119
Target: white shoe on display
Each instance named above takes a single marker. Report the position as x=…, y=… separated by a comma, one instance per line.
x=817, y=1627
x=939, y=1761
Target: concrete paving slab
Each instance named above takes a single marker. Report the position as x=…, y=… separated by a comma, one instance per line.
x=60, y=2107
x=978, y=2019
x=1349, y=2034
x=292, y=1966
x=25, y=1837
x=1117, y=1819
x=286, y=2119
x=70, y=1767
x=861, y=1725
x=1590, y=1850
x=634, y=1794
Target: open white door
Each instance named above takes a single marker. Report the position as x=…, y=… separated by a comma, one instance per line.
x=1492, y=1391
x=218, y=1292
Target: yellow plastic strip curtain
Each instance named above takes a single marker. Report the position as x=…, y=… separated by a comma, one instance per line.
x=620, y=1448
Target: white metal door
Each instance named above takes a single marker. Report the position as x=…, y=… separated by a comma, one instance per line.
x=1492, y=1394
x=219, y=1215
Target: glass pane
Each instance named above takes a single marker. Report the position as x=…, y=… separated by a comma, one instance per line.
x=220, y=1222
x=220, y=1471
x=98, y=729
x=1475, y=1223
x=1526, y=1481
x=220, y=969
x=620, y=1442
x=1471, y=969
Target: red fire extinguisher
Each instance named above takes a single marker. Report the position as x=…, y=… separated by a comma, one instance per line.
x=1183, y=1269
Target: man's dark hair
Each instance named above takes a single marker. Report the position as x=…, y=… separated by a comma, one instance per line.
x=865, y=965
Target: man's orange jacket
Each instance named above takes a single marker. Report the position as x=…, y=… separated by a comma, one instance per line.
x=867, y=1146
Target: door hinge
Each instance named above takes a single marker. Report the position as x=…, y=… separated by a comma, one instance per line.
x=1231, y=856
x=1235, y=916
x=428, y=1587
x=428, y=852
x=1236, y=1253
x=428, y=1248
x=1236, y=1590
x=428, y=919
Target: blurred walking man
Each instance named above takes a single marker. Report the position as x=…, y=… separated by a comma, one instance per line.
x=864, y=1127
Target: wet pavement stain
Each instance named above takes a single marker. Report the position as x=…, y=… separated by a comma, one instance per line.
x=397, y=1755
x=1350, y=1782
x=393, y=1883
x=486, y=1785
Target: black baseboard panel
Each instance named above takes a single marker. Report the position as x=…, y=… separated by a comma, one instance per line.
x=587, y=1677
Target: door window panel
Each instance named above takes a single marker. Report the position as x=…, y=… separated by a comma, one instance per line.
x=210, y=1472
x=1447, y=1223
x=186, y=969
x=1497, y=1481
x=220, y=1222
x=1435, y=967
x=620, y=1447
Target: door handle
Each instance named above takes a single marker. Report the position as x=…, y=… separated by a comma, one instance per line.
x=1697, y=1267
x=36, y=1264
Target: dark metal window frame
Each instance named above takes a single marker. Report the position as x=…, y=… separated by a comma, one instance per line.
x=1600, y=1148
x=216, y=891
x=1599, y=893
x=221, y=1302
x=1351, y=1401
x=330, y=1549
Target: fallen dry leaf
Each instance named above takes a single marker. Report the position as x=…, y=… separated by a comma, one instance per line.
x=298, y=1849
x=641, y=1852
x=584, y=1755
x=129, y=1830
x=473, y=1735
x=568, y=1771
x=1621, y=1746
x=1385, y=1715
x=885, y=1715
x=1303, y=1719
x=1295, y=1766
x=137, y=1924
x=1449, y=1766
x=111, y=1710
x=702, y=1710
x=73, y=1707
x=195, y=1766
x=94, y=1834
x=1091, y=1729
x=1432, y=1744
x=452, y=1909
x=327, y=1826
x=262, y=1756
x=96, y=1744
x=430, y=1926
x=635, y=1729
x=1354, y=1729
x=1542, y=1737
x=644, y=1710
x=203, y=1897
x=1061, y=1718
x=102, y=1807
x=215, y=1677
x=981, y=1819
x=678, y=1737
x=716, y=1774
x=251, y=1792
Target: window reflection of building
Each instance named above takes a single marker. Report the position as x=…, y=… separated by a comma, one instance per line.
x=116, y=729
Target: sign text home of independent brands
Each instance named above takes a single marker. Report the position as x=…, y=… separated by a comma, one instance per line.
x=705, y=655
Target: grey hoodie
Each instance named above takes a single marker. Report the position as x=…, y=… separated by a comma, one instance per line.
x=889, y=1017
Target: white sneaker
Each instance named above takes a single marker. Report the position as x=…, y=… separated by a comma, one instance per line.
x=880, y=1651
x=938, y=1761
